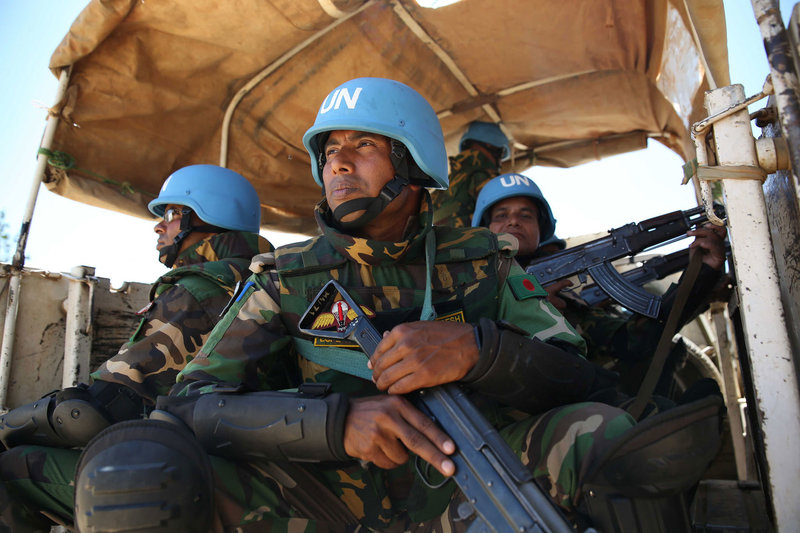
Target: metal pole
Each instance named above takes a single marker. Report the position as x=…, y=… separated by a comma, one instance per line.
x=725, y=353
x=12, y=307
x=782, y=71
x=765, y=329
x=78, y=331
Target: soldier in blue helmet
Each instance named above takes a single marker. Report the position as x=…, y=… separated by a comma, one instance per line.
x=513, y=203
x=481, y=150
x=207, y=235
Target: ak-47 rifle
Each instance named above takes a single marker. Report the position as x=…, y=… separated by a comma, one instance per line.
x=595, y=257
x=500, y=495
x=657, y=267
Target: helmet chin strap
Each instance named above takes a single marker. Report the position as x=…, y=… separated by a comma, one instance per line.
x=169, y=254
x=373, y=206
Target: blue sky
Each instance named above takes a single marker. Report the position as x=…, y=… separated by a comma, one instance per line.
x=64, y=233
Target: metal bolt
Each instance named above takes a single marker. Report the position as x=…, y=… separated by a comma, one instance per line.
x=301, y=408
x=75, y=414
x=221, y=403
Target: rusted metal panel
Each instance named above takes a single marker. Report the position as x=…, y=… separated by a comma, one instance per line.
x=38, y=353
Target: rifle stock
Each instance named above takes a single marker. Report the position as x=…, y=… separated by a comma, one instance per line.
x=499, y=494
x=595, y=258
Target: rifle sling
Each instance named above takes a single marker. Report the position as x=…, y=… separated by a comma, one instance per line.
x=665, y=341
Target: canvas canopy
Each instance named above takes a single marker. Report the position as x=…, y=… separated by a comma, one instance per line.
x=151, y=84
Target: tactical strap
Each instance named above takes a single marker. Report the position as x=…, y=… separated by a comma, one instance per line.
x=351, y=362
x=665, y=342
x=428, y=312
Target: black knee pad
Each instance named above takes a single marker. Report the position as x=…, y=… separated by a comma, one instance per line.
x=641, y=482
x=144, y=475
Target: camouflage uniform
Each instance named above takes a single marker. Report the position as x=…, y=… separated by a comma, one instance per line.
x=626, y=342
x=469, y=172
x=388, y=280
x=186, y=303
x=613, y=335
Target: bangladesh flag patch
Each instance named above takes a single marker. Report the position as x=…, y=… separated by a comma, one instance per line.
x=526, y=286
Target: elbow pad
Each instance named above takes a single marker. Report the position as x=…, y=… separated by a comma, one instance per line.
x=70, y=417
x=530, y=374
x=277, y=426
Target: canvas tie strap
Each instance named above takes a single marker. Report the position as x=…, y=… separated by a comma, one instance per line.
x=665, y=341
x=740, y=172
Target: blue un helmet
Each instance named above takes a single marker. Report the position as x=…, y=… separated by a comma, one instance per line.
x=221, y=198
x=392, y=109
x=486, y=132
x=507, y=186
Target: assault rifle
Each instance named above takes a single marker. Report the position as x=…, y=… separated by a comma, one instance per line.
x=595, y=257
x=657, y=267
x=500, y=495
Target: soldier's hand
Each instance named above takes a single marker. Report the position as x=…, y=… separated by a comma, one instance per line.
x=417, y=355
x=712, y=239
x=383, y=429
x=552, y=293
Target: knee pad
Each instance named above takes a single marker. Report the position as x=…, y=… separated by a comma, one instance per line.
x=641, y=482
x=144, y=475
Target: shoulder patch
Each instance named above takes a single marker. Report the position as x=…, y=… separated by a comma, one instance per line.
x=526, y=286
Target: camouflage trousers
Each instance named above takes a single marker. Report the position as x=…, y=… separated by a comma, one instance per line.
x=558, y=446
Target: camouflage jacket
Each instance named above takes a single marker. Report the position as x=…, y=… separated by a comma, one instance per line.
x=185, y=304
x=610, y=332
x=387, y=279
x=469, y=171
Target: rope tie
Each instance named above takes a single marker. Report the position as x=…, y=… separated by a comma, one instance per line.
x=716, y=173
x=57, y=159
x=65, y=161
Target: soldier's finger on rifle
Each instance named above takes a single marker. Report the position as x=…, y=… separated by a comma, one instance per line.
x=552, y=293
x=383, y=429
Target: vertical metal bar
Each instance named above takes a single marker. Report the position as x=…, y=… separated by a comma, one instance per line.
x=766, y=335
x=782, y=71
x=77, y=335
x=12, y=307
x=725, y=353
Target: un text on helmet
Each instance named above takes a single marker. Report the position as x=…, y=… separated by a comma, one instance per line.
x=334, y=99
x=514, y=180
